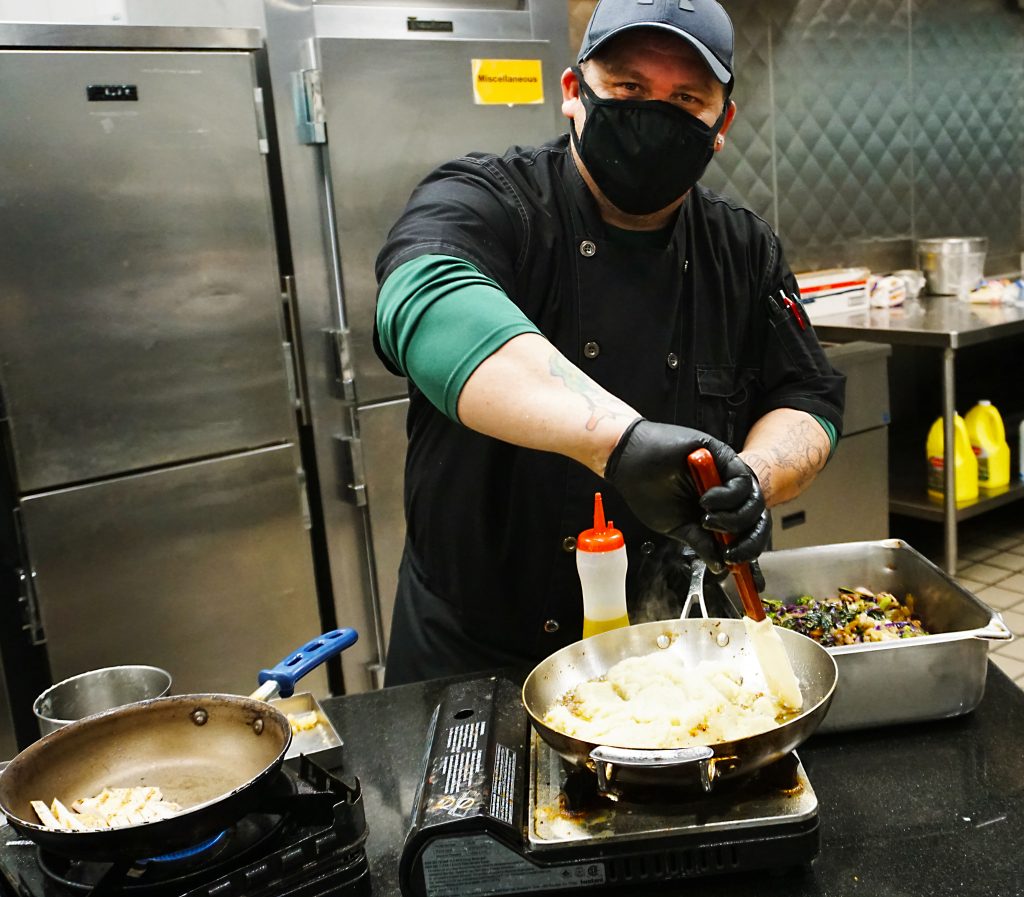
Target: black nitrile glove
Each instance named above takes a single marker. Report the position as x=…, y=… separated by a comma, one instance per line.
x=750, y=523
x=649, y=468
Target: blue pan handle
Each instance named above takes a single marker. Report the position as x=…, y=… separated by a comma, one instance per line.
x=308, y=658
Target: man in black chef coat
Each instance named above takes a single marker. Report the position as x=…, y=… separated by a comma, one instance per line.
x=580, y=317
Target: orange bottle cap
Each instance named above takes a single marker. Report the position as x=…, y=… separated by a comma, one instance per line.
x=604, y=536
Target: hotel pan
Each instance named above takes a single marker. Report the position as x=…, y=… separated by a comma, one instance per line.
x=907, y=680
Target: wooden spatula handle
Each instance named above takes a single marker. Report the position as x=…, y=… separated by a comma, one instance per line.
x=705, y=474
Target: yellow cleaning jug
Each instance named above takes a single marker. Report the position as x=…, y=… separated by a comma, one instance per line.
x=965, y=463
x=988, y=439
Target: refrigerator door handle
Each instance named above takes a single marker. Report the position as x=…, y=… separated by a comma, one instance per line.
x=293, y=348
x=261, y=121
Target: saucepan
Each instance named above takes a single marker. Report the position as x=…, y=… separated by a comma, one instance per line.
x=214, y=754
x=97, y=690
x=695, y=640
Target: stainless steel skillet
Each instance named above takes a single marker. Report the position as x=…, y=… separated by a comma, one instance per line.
x=695, y=640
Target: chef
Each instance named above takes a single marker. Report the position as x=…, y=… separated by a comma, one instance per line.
x=580, y=317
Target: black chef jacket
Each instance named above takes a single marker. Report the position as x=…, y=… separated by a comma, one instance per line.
x=687, y=333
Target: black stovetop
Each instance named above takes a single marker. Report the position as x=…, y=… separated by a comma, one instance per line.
x=934, y=808
x=307, y=840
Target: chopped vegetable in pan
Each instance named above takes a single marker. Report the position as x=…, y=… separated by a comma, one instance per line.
x=851, y=617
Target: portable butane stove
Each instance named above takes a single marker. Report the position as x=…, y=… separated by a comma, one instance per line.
x=306, y=838
x=499, y=812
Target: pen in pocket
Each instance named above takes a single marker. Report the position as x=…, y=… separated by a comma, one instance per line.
x=792, y=304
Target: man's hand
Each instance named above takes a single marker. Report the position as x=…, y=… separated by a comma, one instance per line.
x=649, y=468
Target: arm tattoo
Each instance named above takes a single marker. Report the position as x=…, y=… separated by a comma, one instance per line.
x=763, y=471
x=799, y=452
x=598, y=400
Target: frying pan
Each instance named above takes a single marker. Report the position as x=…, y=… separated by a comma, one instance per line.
x=694, y=640
x=213, y=754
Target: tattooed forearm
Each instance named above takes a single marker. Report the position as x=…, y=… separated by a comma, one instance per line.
x=787, y=465
x=763, y=471
x=602, y=405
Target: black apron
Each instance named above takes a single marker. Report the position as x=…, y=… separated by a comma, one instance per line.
x=622, y=324
x=677, y=331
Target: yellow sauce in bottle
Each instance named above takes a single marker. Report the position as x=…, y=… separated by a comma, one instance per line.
x=594, y=627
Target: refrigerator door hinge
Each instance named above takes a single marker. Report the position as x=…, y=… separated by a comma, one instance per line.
x=28, y=605
x=261, y=121
x=341, y=352
x=308, y=98
x=28, y=600
x=352, y=470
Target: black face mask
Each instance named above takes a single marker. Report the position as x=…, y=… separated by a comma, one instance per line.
x=643, y=154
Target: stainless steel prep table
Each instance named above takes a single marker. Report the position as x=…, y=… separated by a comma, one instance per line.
x=935, y=808
x=946, y=323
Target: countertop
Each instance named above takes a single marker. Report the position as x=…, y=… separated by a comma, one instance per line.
x=934, y=808
x=942, y=321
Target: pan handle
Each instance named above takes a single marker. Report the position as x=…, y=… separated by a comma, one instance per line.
x=705, y=475
x=306, y=659
x=696, y=590
x=606, y=759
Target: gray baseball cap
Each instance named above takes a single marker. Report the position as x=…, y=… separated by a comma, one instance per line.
x=702, y=23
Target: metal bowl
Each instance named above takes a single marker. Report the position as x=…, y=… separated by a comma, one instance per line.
x=96, y=691
x=952, y=265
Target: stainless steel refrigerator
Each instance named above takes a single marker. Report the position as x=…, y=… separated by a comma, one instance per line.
x=149, y=424
x=368, y=97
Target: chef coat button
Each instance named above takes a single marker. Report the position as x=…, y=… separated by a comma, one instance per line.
x=551, y=625
x=672, y=361
x=592, y=349
x=647, y=548
x=588, y=248
x=569, y=543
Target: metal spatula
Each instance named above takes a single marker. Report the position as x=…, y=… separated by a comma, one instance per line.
x=768, y=647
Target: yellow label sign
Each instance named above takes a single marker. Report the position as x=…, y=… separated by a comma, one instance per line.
x=507, y=82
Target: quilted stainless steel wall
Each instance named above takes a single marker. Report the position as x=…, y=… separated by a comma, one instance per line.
x=866, y=124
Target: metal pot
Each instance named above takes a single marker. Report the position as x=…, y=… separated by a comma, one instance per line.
x=695, y=641
x=952, y=265
x=214, y=754
x=96, y=691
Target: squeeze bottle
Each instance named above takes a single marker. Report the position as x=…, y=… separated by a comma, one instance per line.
x=965, y=463
x=988, y=439
x=601, y=562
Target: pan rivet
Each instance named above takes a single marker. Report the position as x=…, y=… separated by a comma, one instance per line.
x=199, y=717
x=722, y=639
x=664, y=641
x=257, y=726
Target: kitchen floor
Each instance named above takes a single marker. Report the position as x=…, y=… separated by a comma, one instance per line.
x=991, y=565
